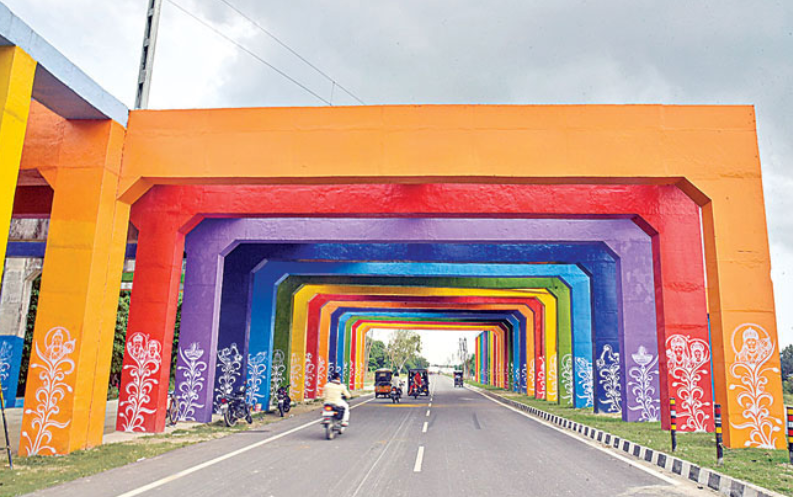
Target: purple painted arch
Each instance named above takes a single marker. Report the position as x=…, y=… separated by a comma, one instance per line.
x=215, y=237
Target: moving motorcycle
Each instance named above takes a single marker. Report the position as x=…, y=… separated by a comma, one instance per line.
x=396, y=394
x=234, y=406
x=332, y=415
x=284, y=402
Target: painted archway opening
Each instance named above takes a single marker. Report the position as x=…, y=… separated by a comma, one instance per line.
x=648, y=302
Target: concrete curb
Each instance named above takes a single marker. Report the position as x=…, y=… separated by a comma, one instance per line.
x=714, y=480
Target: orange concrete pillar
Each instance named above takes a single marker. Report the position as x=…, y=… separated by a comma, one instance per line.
x=73, y=338
x=746, y=364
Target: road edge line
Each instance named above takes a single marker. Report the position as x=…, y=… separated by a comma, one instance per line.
x=229, y=455
x=688, y=471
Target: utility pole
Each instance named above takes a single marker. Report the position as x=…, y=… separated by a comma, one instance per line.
x=147, y=53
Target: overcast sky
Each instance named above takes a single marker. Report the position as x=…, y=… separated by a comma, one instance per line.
x=461, y=51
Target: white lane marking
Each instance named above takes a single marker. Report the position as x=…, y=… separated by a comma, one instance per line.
x=428, y=413
x=424, y=430
x=419, y=460
x=613, y=454
x=430, y=404
x=212, y=462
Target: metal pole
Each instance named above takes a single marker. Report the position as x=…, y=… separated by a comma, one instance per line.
x=147, y=53
x=5, y=428
x=790, y=432
x=719, y=439
x=673, y=416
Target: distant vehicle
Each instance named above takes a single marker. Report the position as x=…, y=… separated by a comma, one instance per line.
x=434, y=370
x=418, y=382
x=382, y=382
x=458, y=379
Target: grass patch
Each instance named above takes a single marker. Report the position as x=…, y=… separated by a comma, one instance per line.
x=767, y=468
x=38, y=472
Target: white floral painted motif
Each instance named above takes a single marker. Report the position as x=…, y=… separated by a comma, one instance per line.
x=310, y=368
x=608, y=365
x=753, y=348
x=5, y=365
x=532, y=377
x=584, y=371
x=278, y=370
x=359, y=375
x=523, y=377
x=230, y=366
x=541, y=377
x=687, y=359
x=640, y=385
x=553, y=385
x=54, y=364
x=257, y=367
x=567, y=378
x=321, y=376
x=352, y=373
x=192, y=380
x=295, y=372
x=146, y=357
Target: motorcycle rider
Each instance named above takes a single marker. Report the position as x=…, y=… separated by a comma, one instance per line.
x=396, y=382
x=334, y=393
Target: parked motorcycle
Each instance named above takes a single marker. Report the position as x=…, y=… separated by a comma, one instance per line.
x=234, y=406
x=332, y=416
x=284, y=402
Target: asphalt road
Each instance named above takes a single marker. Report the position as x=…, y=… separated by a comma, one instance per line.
x=457, y=443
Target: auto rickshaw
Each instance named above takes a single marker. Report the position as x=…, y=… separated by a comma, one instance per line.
x=418, y=382
x=458, y=379
x=382, y=382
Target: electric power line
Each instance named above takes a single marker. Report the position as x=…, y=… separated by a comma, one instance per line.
x=246, y=50
x=293, y=52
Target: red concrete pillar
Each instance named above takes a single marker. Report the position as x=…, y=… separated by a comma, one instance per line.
x=143, y=393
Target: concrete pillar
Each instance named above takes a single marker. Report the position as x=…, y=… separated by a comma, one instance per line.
x=16, y=86
x=75, y=324
x=152, y=316
x=14, y=303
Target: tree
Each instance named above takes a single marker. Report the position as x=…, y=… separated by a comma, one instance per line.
x=377, y=355
x=403, y=346
x=787, y=368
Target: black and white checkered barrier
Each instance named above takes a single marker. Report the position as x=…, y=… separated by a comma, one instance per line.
x=724, y=484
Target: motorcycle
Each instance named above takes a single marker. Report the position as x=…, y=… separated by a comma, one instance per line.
x=284, y=402
x=234, y=406
x=396, y=394
x=332, y=416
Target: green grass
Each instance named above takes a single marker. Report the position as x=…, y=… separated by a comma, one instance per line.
x=788, y=398
x=767, y=468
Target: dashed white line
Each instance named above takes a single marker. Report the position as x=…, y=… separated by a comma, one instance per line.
x=428, y=413
x=424, y=430
x=419, y=460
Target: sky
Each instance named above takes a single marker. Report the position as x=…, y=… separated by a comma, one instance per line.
x=460, y=51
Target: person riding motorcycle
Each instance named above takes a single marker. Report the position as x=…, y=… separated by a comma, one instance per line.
x=396, y=382
x=334, y=395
